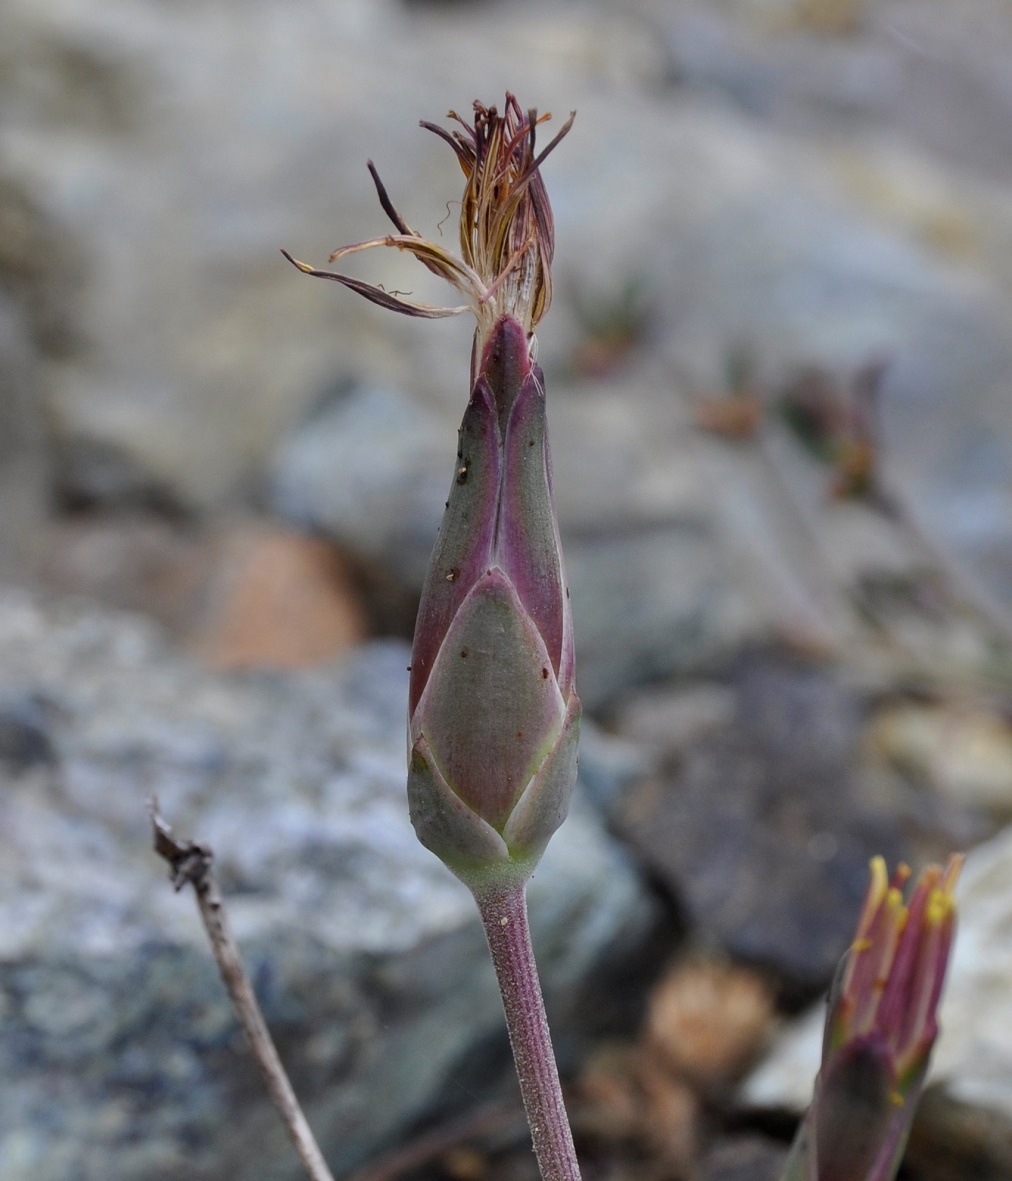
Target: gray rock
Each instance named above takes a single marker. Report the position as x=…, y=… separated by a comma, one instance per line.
x=177, y=165
x=760, y=827
x=118, y=1053
x=648, y=604
x=910, y=68
x=797, y=274
x=653, y=591
x=371, y=471
x=174, y=165
x=24, y=454
x=744, y=1158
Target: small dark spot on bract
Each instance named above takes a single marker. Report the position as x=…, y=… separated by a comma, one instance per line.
x=520, y=734
x=463, y=654
x=454, y=574
x=544, y=674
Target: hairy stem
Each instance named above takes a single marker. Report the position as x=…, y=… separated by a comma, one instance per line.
x=504, y=917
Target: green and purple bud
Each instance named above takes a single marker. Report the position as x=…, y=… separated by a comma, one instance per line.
x=880, y=1029
x=493, y=711
x=493, y=714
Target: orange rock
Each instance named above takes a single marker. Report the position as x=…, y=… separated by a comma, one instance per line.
x=626, y=1099
x=709, y=1021
x=464, y=1163
x=277, y=599
x=734, y=417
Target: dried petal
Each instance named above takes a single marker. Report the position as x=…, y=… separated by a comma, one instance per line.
x=507, y=233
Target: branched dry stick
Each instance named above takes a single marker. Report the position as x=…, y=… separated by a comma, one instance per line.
x=190, y=862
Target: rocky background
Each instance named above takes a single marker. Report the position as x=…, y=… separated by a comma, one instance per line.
x=779, y=363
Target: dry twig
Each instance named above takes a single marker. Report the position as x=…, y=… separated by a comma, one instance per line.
x=192, y=863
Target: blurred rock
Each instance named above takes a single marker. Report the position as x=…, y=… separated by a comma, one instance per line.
x=370, y=471
x=627, y=1100
x=798, y=275
x=761, y=829
x=25, y=728
x=669, y=718
x=24, y=454
x=743, y=1158
x=239, y=593
x=648, y=604
x=653, y=592
x=962, y=748
x=142, y=562
x=644, y=1101
x=708, y=1022
x=952, y=1141
x=41, y=263
x=175, y=165
x=278, y=600
x=849, y=65
x=40, y=271
x=118, y=1054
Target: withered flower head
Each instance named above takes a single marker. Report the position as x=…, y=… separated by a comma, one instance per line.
x=493, y=712
x=507, y=233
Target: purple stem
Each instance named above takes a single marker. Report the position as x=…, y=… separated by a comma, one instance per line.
x=504, y=917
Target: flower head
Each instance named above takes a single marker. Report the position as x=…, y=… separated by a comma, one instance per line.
x=893, y=977
x=882, y=1024
x=507, y=235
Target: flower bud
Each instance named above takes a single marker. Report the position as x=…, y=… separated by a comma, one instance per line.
x=493, y=714
x=881, y=1026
